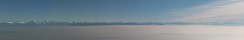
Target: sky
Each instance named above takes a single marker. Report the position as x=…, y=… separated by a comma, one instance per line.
x=122, y=10
x=218, y=11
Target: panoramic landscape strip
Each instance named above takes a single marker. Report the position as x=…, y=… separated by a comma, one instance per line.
x=80, y=23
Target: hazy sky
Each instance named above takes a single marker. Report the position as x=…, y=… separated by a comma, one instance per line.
x=120, y=10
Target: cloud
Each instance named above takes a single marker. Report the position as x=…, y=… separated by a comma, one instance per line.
x=221, y=10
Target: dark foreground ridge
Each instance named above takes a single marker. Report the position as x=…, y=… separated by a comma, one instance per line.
x=78, y=23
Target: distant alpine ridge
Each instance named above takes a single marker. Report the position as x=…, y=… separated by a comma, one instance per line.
x=79, y=23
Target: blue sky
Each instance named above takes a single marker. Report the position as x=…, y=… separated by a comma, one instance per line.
x=102, y=10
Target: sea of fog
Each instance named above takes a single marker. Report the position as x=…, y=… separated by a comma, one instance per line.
x=124, y=32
